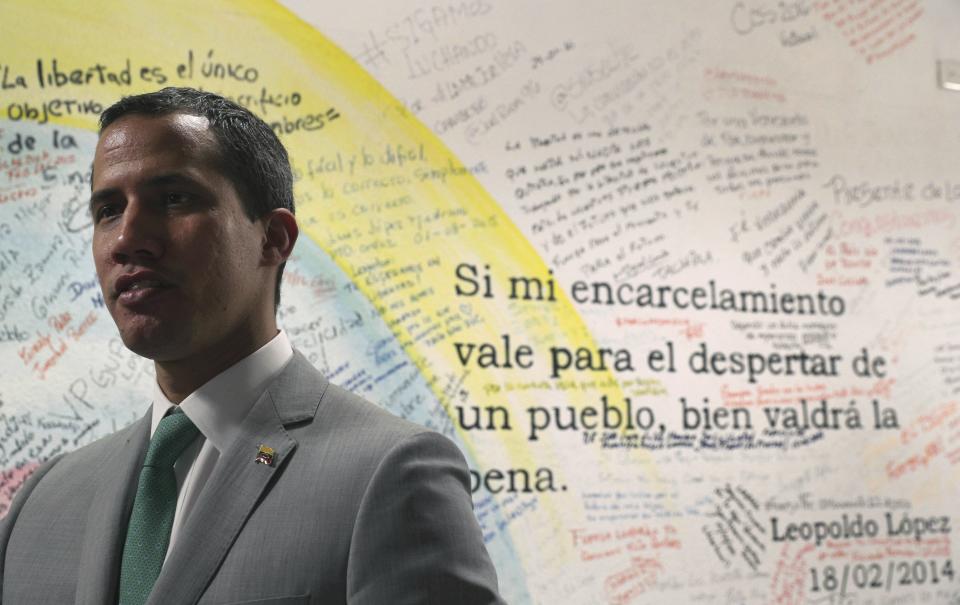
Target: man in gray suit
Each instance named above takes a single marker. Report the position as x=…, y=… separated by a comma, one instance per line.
x=251, y=479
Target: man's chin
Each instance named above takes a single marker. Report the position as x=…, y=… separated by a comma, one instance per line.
x=153, y=341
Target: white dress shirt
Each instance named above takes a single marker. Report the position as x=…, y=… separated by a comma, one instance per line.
x=218, y=408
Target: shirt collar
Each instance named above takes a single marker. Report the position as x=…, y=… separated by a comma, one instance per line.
x=219, y=406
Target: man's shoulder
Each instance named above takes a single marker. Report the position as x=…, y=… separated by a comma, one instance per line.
x=50, y=511
x=122, y=437
x=302, y=387
x=86, y=460
x=360, y=431
x=347, y=406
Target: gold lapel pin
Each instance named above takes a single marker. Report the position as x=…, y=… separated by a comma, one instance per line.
x=265, y=456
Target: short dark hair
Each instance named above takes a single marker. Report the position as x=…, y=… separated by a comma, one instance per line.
x=251, y=155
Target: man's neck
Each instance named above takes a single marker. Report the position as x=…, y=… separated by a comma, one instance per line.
x=178, y=379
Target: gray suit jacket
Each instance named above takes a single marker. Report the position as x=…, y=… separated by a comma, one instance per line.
x=358, y=507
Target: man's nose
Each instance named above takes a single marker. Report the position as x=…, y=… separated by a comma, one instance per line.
x=139, y=234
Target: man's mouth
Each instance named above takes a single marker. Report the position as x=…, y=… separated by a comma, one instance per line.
x=149, y=283
x=139, y=287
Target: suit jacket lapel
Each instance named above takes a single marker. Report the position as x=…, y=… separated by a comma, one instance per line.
x=99, y=570
x=237, y=483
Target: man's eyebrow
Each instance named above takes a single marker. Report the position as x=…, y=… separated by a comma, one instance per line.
x=172, y=178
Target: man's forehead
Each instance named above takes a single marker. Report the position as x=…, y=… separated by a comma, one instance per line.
x=155, y=131
x=173, y=140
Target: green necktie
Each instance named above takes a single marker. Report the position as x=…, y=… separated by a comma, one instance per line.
x=148, y=533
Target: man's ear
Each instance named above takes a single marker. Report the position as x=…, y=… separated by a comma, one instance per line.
x=280, y=229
